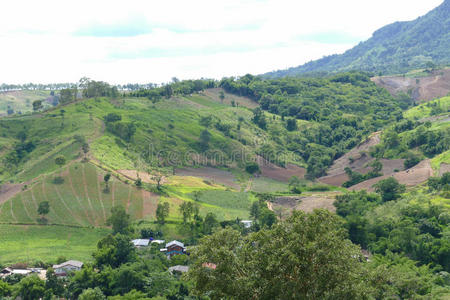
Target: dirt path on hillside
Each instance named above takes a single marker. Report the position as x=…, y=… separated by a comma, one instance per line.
x=101, y=199
x=25, y=207
x=113, y=189
x=87, y=196
x=88, y=218
x=129, y=198
x=34, y=198
x=61, y=198
x=12, y=212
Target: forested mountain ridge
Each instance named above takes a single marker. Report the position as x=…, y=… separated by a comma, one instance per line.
x=395, y=48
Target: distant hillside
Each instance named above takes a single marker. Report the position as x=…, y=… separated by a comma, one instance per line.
x=395, y=48
x=22, y=101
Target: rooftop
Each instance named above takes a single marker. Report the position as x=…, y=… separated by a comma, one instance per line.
x=74, y=263
x=140, y=242
x=172, y=243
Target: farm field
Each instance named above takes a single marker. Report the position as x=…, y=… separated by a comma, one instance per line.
x=79, y=201
x=28, y=243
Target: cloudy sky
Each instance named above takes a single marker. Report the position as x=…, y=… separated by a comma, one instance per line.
x=153, y=41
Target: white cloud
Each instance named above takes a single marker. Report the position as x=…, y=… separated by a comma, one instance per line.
x=142, y=41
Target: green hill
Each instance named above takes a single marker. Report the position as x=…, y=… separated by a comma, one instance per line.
x=395, y=48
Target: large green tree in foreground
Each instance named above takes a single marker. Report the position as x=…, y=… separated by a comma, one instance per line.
x=306, y=257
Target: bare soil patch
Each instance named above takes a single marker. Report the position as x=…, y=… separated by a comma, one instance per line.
x=413, y=176
x=435, y=85
x=211, y=174
x=306, y=203
x=275, y=172
x=7, y=191
x=358, y=160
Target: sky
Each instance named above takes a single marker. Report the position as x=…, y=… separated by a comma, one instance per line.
x=137, y=41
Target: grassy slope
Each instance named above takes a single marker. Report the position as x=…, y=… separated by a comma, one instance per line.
x=424, y=110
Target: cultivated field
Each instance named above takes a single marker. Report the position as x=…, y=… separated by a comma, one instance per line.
x=31, y=243
x=80, y=200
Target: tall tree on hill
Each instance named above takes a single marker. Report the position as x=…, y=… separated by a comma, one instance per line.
x=119, y=220
x=106, y=179
x=162, y=212
x=85, y=148
x=60, y=160
x=186, y=209
x=43, y=209
x=205, y=137
x=37, y=105
x=389, y=189
x=221, y=96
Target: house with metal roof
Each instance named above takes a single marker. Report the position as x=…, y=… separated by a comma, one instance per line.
x=174, y=248
x=67, y=267
x=140, y=242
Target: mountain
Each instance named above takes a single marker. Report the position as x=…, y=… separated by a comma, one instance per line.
x=395, y=48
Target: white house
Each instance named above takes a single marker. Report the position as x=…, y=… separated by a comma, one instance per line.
x=140, y=242
x=247, y=223
x=67, y=267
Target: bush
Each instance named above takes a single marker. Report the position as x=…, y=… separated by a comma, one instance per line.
x=252, y=167
x=58, y=180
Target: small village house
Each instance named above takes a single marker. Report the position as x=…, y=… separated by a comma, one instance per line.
x=174, y=248
x=138, y=243
x=67, y=267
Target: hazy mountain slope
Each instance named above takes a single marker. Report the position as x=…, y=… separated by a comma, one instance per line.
x=395, y=48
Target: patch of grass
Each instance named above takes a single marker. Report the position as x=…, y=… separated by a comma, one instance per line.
x=267, y=185
x=30, y=243
x=439, y=159
x=226, y=199
x=424, y=110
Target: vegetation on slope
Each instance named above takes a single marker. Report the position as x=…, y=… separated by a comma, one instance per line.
x=395, y=48
x=324, y=118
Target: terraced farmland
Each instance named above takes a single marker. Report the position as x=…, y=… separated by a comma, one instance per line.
x=79, y=201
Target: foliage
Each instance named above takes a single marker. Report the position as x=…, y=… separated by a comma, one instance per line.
x=30, y=288
x=335, y=122
x=252, y=167
x=289, y=261
x=43, y=208
x=162, y=212
x=119, y=220
x=415, y=230
x=389, y=189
